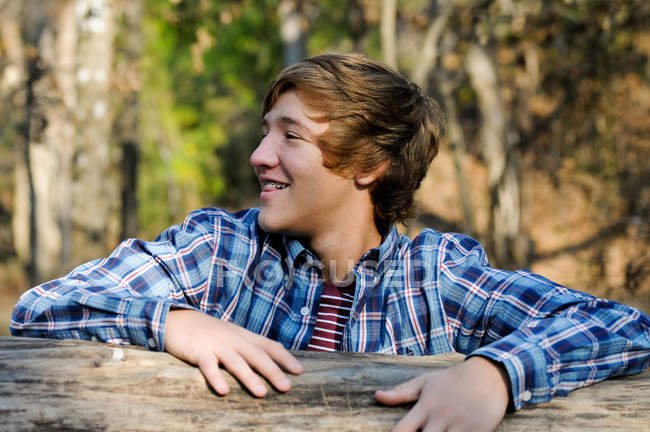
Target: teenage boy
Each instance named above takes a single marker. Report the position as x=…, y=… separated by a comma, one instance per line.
x=319, y=265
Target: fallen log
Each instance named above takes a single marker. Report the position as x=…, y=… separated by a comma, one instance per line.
x=48, y=384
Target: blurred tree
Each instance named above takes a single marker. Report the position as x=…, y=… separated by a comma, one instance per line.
x=96, y=185
x=64, y=82
x=66, y=183
x=503, y=172
x=127, y=83
x=292, y=30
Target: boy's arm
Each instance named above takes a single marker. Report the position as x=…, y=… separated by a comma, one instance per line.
x=122, y=299
x=548, y=339
x=126, y=297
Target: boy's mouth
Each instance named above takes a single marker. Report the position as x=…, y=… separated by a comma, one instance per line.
x=268, y=184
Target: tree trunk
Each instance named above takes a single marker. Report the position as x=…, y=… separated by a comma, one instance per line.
x=503, y=237
x=43, y=173
x=388, y=16
x=13, y=77
x=459, y=153
x=292, y=31
x=96, y=190
x=64, y=142
x=127, y=71
x=78, y=385
x=65, y=194
x=429, y=50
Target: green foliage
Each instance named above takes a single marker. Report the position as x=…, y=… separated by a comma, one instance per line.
x=205, y=66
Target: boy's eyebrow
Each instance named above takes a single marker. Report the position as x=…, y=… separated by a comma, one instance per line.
x=290, y=121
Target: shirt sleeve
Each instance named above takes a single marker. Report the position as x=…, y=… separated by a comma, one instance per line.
x=550, y=339
x=125, y=298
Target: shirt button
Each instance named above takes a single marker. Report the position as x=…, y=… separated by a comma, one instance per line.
x=525, y=396
x=94, y=338
x=304, y=311
x=151, y=342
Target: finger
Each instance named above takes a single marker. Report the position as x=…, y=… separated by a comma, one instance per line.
x=412, y=421
x=209, y=367
x=276, y=351
x=405, y=392
x=435, y=425
x=265, y=366
x=238, y=367
x=281, y=356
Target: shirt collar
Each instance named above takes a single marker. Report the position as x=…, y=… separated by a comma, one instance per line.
x=376, y=259
x=379, y=258
x=297, y=251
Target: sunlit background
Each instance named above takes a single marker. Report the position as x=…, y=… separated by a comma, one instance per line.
x=118, y=117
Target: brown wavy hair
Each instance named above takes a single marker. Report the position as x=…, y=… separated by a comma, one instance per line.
x=375, y=115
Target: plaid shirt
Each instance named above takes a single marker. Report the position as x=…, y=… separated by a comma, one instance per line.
x=430, y=295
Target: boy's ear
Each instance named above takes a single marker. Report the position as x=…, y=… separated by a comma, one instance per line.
x=367, y=178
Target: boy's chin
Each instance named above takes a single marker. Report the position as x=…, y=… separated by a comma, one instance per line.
x=268, y=224
x=273, y=225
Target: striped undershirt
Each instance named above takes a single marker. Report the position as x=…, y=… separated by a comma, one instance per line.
x=333, y=313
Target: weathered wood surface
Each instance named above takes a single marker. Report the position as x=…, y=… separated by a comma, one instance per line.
x=78, y=385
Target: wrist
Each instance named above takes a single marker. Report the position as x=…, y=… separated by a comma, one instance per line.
x=496, y=376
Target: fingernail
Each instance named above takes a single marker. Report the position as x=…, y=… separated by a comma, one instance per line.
x=260, y=389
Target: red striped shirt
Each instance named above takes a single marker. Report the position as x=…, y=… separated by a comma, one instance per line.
x=333, y=312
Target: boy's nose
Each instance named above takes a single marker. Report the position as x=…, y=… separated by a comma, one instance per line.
x=264, y=155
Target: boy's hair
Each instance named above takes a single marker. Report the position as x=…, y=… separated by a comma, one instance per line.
x=375, y=115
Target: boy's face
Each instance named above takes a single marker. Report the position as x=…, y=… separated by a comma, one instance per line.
x=299, y=195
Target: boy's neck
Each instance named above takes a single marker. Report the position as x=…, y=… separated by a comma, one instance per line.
x=340, y=249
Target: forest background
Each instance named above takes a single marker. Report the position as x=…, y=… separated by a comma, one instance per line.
x=119, y=117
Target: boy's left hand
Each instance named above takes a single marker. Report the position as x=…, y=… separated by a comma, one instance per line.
x=471, y=396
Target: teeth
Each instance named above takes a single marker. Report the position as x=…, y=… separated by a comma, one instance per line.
x=275, y=185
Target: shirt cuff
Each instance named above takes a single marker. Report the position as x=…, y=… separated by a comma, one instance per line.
x=139, y=321
x=145, y=323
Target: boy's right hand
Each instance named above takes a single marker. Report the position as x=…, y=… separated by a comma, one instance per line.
x=207, y=342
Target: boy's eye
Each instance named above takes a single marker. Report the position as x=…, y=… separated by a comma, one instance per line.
x=291, y=135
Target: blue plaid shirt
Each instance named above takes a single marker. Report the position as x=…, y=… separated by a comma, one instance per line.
x=430, y=295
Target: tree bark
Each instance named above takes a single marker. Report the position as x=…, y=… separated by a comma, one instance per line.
x=13, y=79
x=79, y=385
x=43, y=168
x=127, y=79
x=429, y=51
x=503, y=177
x=459, y=153
x=387, y=30
x=291, y=31
x=96, y=190
x=65, y=192
x=64, y=142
